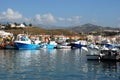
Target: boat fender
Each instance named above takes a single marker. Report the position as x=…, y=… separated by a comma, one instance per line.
x=101, y=55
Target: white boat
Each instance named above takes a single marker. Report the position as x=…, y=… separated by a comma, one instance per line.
x=93, y=46
x=78, y=44
x=49, y=45
x=105, y=55
x=64, y=45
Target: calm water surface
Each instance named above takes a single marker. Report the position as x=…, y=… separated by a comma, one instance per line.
x=54, y=65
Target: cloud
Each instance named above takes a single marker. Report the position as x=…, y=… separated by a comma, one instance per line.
x=48, y=19
x=61, y=19
x=93, y=21
x=73, y=19
x=37, y=18
x=119, y=19
x=10, y=15
x=44, y=19
x=69, y=19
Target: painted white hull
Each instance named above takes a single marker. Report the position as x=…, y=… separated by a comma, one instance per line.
x=63, y=47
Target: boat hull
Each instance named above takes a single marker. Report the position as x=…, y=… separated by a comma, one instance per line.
x=93, y=57
x=49, y=46
x=27, y=46
x=103, y=58
x=76, y=45
x=63, y=47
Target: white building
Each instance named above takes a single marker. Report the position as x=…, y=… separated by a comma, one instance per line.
x=12, y=25
x=21, y=26
x=2, y=26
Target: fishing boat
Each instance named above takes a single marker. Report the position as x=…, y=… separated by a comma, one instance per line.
x=6, y=40
x=24, y=42
x=110, y=55
x=49, y=45
x=93, y=54
x=93, y=46
x=78, y=44
x=105, y=54
x=64, y=45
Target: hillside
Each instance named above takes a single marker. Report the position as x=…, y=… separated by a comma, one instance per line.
x=87, y=28
x=37, y=30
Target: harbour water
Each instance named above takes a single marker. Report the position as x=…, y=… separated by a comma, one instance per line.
x=54, y=64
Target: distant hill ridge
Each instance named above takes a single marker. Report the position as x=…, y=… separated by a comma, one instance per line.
x=86, y=28
x=89, y=28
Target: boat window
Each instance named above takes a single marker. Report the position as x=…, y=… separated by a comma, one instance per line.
x=24, y=38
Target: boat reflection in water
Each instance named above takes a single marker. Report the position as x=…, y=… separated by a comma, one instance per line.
x=52, y=64
x=103, y=70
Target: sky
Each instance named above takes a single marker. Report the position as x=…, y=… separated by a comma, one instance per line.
x=61, y=12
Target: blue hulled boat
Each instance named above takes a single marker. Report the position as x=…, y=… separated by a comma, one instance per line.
x=21, y=45
x=50, y=45
x=24, y=42
x=78, y=44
